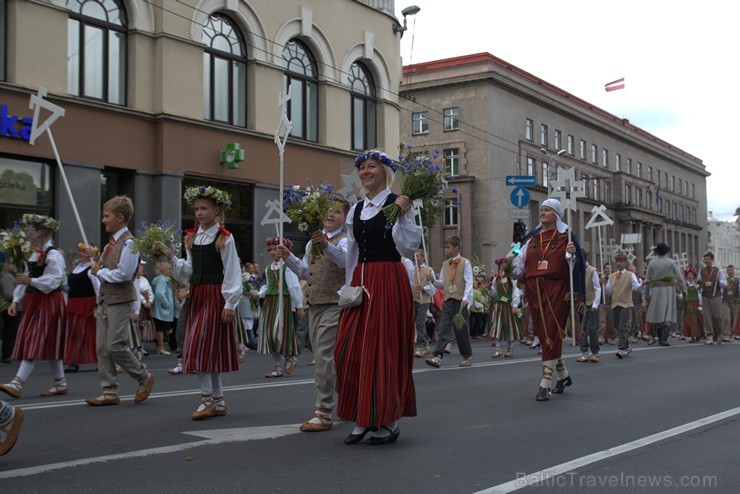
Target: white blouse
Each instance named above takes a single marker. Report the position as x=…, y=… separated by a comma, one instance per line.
x=294, y=286
x=52, y=277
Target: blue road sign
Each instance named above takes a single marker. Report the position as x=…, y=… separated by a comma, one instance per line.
x=521, y=180
x=519, y=197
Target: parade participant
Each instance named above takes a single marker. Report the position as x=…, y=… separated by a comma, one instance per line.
x=84, y=288
x=143, y=322
x=279, y=339
x=636, y=311
x=41, y=331
x=477, y=322
x=374, y=352
x=182, y=297
x=730, y=300
x=659, y=292
x=163, y=305
x=11, y=419
x=606, y=317
x=116, y=271
x=544, y=262
x=325, y=275
x=249, y=305
x=505, y=297
x=211, y=267
x=693, y=322
x=588, y=338
x=10, y=324
x=713, y=282
x=620, y=286
x=422, y=290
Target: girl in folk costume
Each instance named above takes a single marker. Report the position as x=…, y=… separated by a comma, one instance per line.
x=505, y=324
x=693, y=322
x=41, y=329
x=81, y=301
x=375, y=343
x=277, y=330
x=543, y=262
x=212, y=269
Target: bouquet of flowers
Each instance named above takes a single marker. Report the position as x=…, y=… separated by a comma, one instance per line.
x=147, y=236
x=458, y=320
x=308, y=208
x=249, y=284
x=479, y=269
x=17, y=245
x=422, y=179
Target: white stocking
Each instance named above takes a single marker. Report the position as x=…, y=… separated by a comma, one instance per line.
x=24, y=371
x=548, y=367
x=205, y=383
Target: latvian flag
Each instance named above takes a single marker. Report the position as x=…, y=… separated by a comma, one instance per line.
x=614, y=85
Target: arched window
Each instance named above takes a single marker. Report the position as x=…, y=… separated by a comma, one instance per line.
x=362, y=94
x=224, y=72
x=301, y=73
x=96, y=50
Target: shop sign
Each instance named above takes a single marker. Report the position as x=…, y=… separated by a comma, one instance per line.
x=14, y=126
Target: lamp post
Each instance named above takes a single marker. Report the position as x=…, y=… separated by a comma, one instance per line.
x=410, y=10
x=549, y=163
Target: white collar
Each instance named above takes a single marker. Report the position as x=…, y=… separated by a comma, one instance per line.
x=334, y=233
x=378, y=200
x=211, y=231
x=120, y=232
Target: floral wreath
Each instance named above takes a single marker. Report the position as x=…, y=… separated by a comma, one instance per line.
x=505, y=263
x=691, y=270
x=270, y=241
x=221, y=198
x=30, y=219
x=379, y=156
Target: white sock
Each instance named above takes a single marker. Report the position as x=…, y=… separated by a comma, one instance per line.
x=216, y=384
x=384, y=432
x=57, y=369
x=324, y=415
x=205, y=383
x=277, y=359
x=561, y=370
x=358, y=430
x=548, y=366
x=25, y=369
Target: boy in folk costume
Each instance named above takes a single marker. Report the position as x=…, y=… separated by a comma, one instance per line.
x=606, y=316
x=730, y=300
x=589, y=323
x=620, y=286
x=422, y=290
x=275, y=339
x=84, y=288
x=505, y=325
x=457, y=283
x=712, y=281
x=636, y=313
x=325, y=275
x=41, y=331
x=693, y=321
x=116, y=272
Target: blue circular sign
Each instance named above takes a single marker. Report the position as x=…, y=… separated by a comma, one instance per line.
x=519, y=197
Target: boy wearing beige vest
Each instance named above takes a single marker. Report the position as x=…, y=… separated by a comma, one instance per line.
x=422, y=289
x=620, y=286
x=116, y=270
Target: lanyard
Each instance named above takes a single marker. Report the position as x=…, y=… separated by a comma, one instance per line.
x=554, y=233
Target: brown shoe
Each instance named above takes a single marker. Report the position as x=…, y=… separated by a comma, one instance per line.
x=9, y=431
x=205, y=410
x=10, y=390
x=221, y=410
x=104, y=400
x=596, y=358
x=59, y=388
x=144, y=389
x=466, y=362
x=582, y=358
x=323, y=425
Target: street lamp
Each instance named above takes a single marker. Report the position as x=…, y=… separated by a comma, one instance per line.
x=410, y=10
x=549, y=162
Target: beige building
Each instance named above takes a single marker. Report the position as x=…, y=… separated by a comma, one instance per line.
x=724, y=240
x=491, y=120
x=154, y=90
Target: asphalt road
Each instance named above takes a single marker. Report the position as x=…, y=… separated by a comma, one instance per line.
x=664, y=419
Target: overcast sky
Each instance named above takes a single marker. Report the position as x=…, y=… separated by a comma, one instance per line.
x=679, y=58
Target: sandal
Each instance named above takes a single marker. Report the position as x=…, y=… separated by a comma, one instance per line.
x=582, y=358
x=324, y=423
x=508, y=354
x=543, y=394
x=596, y=358
x=278, y=372
x=290, y=365
x=496, y=354
x=561, y=385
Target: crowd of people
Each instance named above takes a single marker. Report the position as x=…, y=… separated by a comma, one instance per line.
x=366, y=307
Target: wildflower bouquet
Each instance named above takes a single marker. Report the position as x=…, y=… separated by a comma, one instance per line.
x=147, y=236
x=308, y=207
x=249, y=284
x=458, y=320
x=17, y=245
x=422, y=179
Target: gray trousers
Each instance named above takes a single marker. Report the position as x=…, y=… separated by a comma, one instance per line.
x=589, y=332
x=622, y=325
x=712, y=309
x=446, y=330
x=113, y=323
x=323, y=326
x=730, y=317
x=422, y=338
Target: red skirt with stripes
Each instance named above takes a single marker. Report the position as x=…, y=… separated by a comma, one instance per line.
x=375, y=349
x=80, y=346
x=41, y=330
x=210, y=344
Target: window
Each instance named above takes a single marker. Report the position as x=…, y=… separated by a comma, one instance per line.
x=665, y=180
x=638, y=170
x=3, y=30
x=571, y=144
x=451, y=212
x=301, y=76
x=639, y=192
x=529, y=129
x=420, y=123
x=451, y=119
x=596, y=190
x=673, y=183
x=362, y=97
x=607, y=192
x=452, y=162
x=543, y=134
x=693, y=191
x=594, y=153
x=531, y=167
x=628, y=194
x=582, y=150
x=224, y=72
x=96, y=50
x=650, y=173
x=680, y=186
x=27, y=187
x=545, y=173
x=629, y=165
x=617, y=162
x=558, y=140
x=605, y=158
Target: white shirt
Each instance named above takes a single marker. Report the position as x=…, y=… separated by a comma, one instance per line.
x=231, y=288
x=336, y=254
x=467, y=276
x=52, y=277
x=141, y=284
x=411, y=268
x=636, y=284
x=516, y=293
x=597, y=288
x=294, y=286
x=127, y=264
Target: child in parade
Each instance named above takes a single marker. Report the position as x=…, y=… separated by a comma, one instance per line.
x=619, y=286
x=84, y=288
x=588, y=338
x=478, y=308
x=163, y=304
x=505, y=325
x=41, y=331
x=279, y=338
x=693, y=322
x=423, y=291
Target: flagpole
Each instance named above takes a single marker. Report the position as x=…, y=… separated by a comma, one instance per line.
x=570, y=273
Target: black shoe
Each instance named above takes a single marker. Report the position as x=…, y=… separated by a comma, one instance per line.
x=356, y=438
x=72, y=368
x=664, y=343
x=543, y=394
x=391, y=438
x=561, y=385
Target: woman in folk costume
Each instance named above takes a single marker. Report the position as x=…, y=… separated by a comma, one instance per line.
x=375, y=343
x=277, y=329
x=81, y=301
x=212, y=269
x=41, y=329
x=544, y=262
x=693, y=322
x=505, y=325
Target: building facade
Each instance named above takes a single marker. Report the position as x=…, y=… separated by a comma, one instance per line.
x=159, y=95
x=724, y=240
x=491, y=120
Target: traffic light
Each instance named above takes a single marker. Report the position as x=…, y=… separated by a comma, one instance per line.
x=520, y=229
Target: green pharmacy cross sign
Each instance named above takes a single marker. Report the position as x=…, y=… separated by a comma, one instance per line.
x=231, y=156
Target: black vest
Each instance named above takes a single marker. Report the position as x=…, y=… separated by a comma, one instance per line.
x=80, y=285
x=374, y=240
x=36, y=271
x=208, y=269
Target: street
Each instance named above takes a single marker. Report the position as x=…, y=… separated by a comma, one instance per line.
x=662, y=419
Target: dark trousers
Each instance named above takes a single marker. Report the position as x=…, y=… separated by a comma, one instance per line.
x=622, y=325
x=476, y=324
x=446, y=330
x=10, y=329
x=589, y=337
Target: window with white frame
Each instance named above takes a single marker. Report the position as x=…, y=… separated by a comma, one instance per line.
x=693, y=191
x=545, y=173
x=420, y=122
x=452, y=161
x=224, y=72
x=301, y=75
x=451, y=212
x=362, y=103
x=558, y=140
x=451, y=119
x=628, y=194
x=594, y=154
x=543, y=134
x=638, y=169
x=532, y=167
x=617, y=162
x=582, y=150
x=607, y=192
x=605, y=158
x=596, y=190
x=529, y=129
x=650, y=173
x=571, y=144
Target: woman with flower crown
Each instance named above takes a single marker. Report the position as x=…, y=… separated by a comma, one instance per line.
x=41, y=332
x=375, y=342
x=212, y=269
x=81, y=301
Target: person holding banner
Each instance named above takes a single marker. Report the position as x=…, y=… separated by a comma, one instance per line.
x=544, y=262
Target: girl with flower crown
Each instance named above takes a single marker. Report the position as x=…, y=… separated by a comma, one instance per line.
x=41, y=332
x=693, y=322
x=505, y=295
x=81, y=301
x=212, y=269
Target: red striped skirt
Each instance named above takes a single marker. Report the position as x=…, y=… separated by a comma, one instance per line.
x=210, y=344
x=375, y=349
x=80, y=346
x=41, y=330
